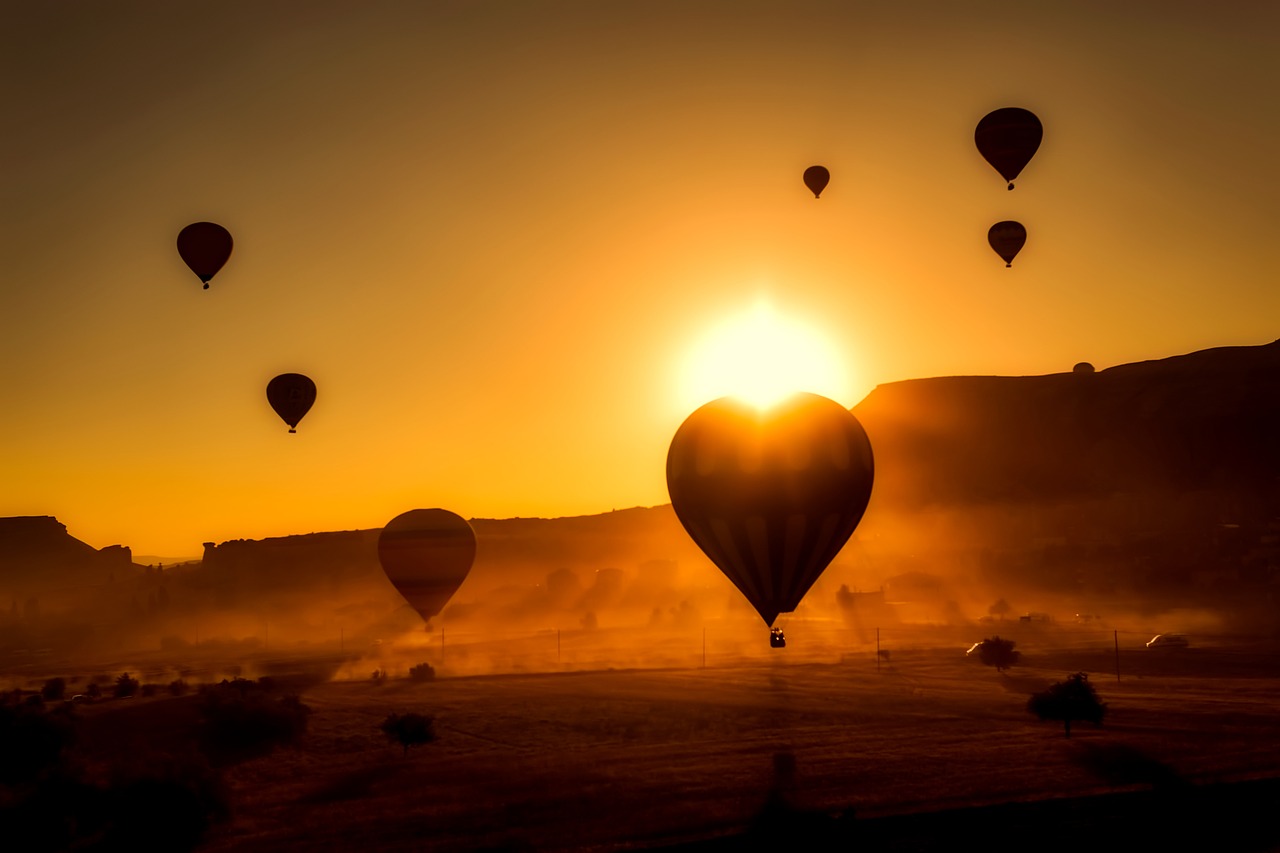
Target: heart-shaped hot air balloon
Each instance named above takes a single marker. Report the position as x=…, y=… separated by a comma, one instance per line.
x=291, y=395
x=204, y=247
x=427, y=554
x=771, y=495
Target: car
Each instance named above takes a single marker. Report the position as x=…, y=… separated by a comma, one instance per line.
x=1168, y=641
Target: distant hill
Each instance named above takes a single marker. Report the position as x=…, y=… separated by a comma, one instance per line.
x=37, y=553
x=1207, y=420
x=1157, y=481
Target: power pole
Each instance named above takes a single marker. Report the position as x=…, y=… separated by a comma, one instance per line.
x=1116, y=634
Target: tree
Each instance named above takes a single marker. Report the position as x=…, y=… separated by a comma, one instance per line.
x=422, y=672
x=1073, y=699
x=999, y=653
x=126, y=685
x=54, y=688
x=999, y=609
x=409, y=729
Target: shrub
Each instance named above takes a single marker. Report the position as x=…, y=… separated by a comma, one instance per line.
x=31, y=741
x=178, y=687
x=409, y=729
x=241, y=721
x=54, y=689
x=422, y=672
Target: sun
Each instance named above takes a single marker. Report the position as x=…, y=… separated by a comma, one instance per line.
x=762, y=356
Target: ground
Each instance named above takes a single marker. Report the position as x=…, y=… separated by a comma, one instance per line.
x=899, y=756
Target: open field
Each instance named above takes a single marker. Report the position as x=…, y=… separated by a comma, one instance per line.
x=690, y=756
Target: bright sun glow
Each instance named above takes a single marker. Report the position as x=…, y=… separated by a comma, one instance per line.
x=761, y=356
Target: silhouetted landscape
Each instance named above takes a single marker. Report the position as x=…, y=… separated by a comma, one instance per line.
x=596, y=682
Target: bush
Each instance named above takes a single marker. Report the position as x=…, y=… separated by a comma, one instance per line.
x=54, y=689
x=998, y=653
x=422, y=672
x=1073, y=699
x=241, y=721
x=409, y=729
x=178, y=687
x=172, y=800
x=31, y=741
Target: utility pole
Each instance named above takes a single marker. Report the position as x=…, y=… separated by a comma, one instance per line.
x=704, y=647
x=557, y=645
x=1116, y=634
x=877, y=650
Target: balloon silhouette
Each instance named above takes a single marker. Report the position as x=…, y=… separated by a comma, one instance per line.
x=427, y=554
x=1008, y=138
x=292, y=396
x=204, y=247
x=1007, y=239
x=816, y=179
x=770, y=496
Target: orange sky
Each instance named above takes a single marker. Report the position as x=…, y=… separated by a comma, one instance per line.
x=494, y=233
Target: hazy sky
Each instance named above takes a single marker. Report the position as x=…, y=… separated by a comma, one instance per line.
x=498, y=234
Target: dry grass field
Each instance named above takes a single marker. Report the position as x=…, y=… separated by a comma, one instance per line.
x=899, y=757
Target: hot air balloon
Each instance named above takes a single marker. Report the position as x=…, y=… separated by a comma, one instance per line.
x=427, y=554
x=205, y=247
x=291, y=395
x=770, y=496
x=1007, y=239
x=816, y=179
x=1008, y=138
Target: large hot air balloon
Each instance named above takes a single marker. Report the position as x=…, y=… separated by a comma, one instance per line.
x=1007, y=239
x=1008, y=138
x=205, y=247
x=291, y=395
x=770, y=496
x=427, y=554
x=816, y=179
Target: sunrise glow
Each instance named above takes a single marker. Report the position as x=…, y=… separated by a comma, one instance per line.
x=761, y=356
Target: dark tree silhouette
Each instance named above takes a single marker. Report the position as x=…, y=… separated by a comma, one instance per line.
x=422, y=672
x=126, y=685
x=54, y=688
x=999, y=653
x=1072, y=699
x=409, y=729
x=999, y=609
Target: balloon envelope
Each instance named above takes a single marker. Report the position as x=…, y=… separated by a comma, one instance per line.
x=816, y=179
x=1007, y=239
x=291, y=395
x=427, y=554
x=205, y=247
x=770, y=496
x=1008, y=138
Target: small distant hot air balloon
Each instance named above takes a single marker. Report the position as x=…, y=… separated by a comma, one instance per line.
x=816, y=179
x=1007, y=239
x=291, y=395
x=1008, y=138
x=204, y=247
x=427, y=554
x=770, y=496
